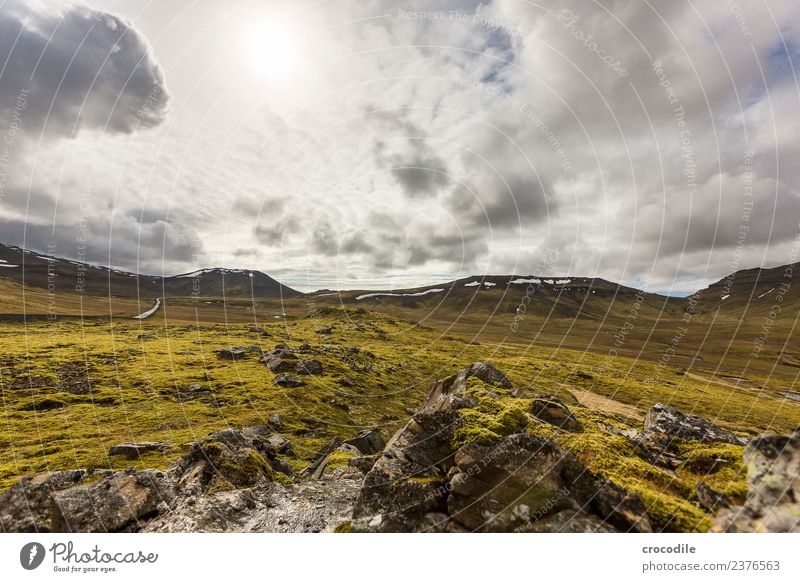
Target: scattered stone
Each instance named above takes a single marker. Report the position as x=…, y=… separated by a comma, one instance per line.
x=368, y=442
x=325, y=330
x=135, y=450
x=234, y=353
x=346, y=380
x=275, y=421
x=552, y=410
x=146, y=336
x=674, y=423
x=278, y=364
x=258, y=331
x=773, y=502
x=360, y=328
x=312, y=367
x=451, y=393
x=287, y=381
x=280, y=445
x=305, y=347
x=331, y=401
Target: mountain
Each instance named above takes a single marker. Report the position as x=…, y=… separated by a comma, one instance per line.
x=757, y=291
x=67, y=276
x=530, y=295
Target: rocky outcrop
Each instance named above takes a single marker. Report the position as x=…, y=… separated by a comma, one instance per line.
x=773, y=501
x=246, y=461
x=27, y=506
x=113, y=504
x=425, y=482
x=674, y=423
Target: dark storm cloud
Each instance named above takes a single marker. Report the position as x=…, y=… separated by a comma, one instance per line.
x=156, y=247
x=79, y=69
x=420, y=177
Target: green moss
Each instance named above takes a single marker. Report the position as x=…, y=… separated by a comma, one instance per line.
x=670, y=513
x=338, y=459
x=342, y=528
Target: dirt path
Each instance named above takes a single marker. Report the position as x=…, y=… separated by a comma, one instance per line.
x=592, y=400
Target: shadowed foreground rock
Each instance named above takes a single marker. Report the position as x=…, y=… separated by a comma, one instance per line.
x=231, y=480
x=773, y=502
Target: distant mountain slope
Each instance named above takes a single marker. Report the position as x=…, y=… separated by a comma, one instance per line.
x=585, y=297
x=754, y=291
x=67, y=276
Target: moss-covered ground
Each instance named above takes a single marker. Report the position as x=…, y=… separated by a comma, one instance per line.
x=70, y=390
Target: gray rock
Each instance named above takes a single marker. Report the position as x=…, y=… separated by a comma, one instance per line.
x=451, y=393
x=280, y=445
x=234, y=353
x=278, y=364
x=552, y=410
x=113, y=504
x=26, y=506
x=287, y=381
x=325, y=330
x=674, y=423
x=309, y=367
x=509, y=484
x=495, y=486
x=275, y=421
x=321, y=456
x=773, y=501
x=135, y=450
x=368, y=442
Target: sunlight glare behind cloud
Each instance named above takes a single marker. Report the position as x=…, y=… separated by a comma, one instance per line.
x=272, y=52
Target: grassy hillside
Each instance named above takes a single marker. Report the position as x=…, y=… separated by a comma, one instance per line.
x=71, y=390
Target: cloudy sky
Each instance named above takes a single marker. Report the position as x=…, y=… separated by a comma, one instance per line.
x=377, y=144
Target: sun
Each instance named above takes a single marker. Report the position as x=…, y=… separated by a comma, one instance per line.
x=271, y=51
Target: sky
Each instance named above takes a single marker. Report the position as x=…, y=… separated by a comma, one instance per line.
x=390, y=144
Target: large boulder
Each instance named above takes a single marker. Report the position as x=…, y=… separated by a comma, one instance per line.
x=511, y=484
x=27, y=505
x=425, y=482
x=773, y=501
x=115, y=503
x=674, y=423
